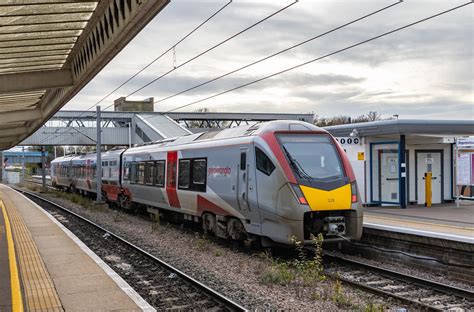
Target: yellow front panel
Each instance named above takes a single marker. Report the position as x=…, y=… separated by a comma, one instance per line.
x=336, y=199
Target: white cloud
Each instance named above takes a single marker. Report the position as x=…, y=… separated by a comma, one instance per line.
x=425, y=70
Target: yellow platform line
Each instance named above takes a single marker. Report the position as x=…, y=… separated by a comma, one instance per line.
x=17, y=301
x=39, y=291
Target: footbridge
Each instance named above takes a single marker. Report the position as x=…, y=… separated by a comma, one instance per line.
x=129, y=128
x=50, y=49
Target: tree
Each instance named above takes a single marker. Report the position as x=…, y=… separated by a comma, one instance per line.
x=343, y=119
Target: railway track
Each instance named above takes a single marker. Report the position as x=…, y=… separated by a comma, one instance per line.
x=421, y=293
x=159, y=283
x=416, y=292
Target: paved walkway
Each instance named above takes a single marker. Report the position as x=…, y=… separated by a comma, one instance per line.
x=447, y=220
x=56, y=272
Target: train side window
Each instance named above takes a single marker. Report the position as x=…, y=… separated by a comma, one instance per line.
x=160, y=173
x=184, y=169
x=243, y=160
x=199, y=171
x=264, y=164
x=133, y=173
x=126, y=171
x=141, y=173
x=149, y=169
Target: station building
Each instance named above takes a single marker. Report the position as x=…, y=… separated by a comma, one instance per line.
x=391, y=157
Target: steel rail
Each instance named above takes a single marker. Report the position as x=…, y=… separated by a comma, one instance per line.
x=425, y=283
x=228, y=303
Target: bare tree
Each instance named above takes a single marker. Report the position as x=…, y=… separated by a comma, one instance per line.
x=343, y=119
x=373, y=116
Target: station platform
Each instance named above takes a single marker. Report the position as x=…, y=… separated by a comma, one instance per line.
x=444, y=221
x=48, y=269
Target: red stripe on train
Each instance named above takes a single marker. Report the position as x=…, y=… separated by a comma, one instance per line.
x=271, y=140
x=172, y=163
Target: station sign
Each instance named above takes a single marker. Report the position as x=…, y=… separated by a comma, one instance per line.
x=348, y=141
x=465, y=143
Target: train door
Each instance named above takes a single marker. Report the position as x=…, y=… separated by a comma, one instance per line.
x=429, y=162
x=242, y=181
x=246, y=192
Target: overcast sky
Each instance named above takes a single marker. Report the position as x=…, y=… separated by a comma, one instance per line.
x=425, y=71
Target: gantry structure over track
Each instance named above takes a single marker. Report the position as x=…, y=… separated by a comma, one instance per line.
x=50, y=49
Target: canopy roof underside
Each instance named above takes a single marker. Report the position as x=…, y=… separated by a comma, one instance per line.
x=50, y=49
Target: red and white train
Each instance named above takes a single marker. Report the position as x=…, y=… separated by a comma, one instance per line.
x=267, y=181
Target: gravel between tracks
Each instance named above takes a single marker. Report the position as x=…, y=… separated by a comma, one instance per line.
x=234, y=273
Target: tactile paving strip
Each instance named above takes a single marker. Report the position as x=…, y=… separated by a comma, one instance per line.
x=39, y=293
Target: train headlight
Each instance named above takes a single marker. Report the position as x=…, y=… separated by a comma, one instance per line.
x=354, y=192
x=299, y=194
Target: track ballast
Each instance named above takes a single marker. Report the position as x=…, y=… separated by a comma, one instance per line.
x=160, y=284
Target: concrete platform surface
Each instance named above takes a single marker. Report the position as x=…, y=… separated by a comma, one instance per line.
x=445, y=221
x=57, y=272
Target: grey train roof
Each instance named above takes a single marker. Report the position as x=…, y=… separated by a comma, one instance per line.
x=406, y=126
x=246, y=130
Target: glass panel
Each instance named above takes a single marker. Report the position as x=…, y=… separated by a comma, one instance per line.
x=243, y=160
x=312, y=156
x=183, y=174
x=149, y=170
x=160, y=173
x=199, y=171
x=141, y=172
x=264, y=164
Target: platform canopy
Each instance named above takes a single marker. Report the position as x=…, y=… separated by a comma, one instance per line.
x=409, y=127
x=50, y=49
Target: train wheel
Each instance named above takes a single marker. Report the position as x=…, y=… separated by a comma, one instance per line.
x=124, y=202
x=209, y=223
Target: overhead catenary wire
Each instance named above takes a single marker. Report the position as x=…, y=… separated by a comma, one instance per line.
x=172, y=48
x=320, y=57
x=211, y=48
x=149, y=64
x=204, y=52
x=278, y=53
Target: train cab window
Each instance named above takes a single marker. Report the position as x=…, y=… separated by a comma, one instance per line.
x=141, y=173
x=264, y=164
x=160, y=173
x=184, y=169
x=149, y=169
x=199, y=171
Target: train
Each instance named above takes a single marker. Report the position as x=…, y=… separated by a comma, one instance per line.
x=267, y=182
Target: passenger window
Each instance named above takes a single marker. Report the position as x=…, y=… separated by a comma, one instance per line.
x=183, y=178
x=126, y=171
x=264, y=164
x=141, y=173
x=149, y=168
x=133, y=173
x=199, y=171
x=160, y=173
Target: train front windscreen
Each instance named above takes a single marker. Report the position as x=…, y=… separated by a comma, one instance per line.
x=312, y=156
